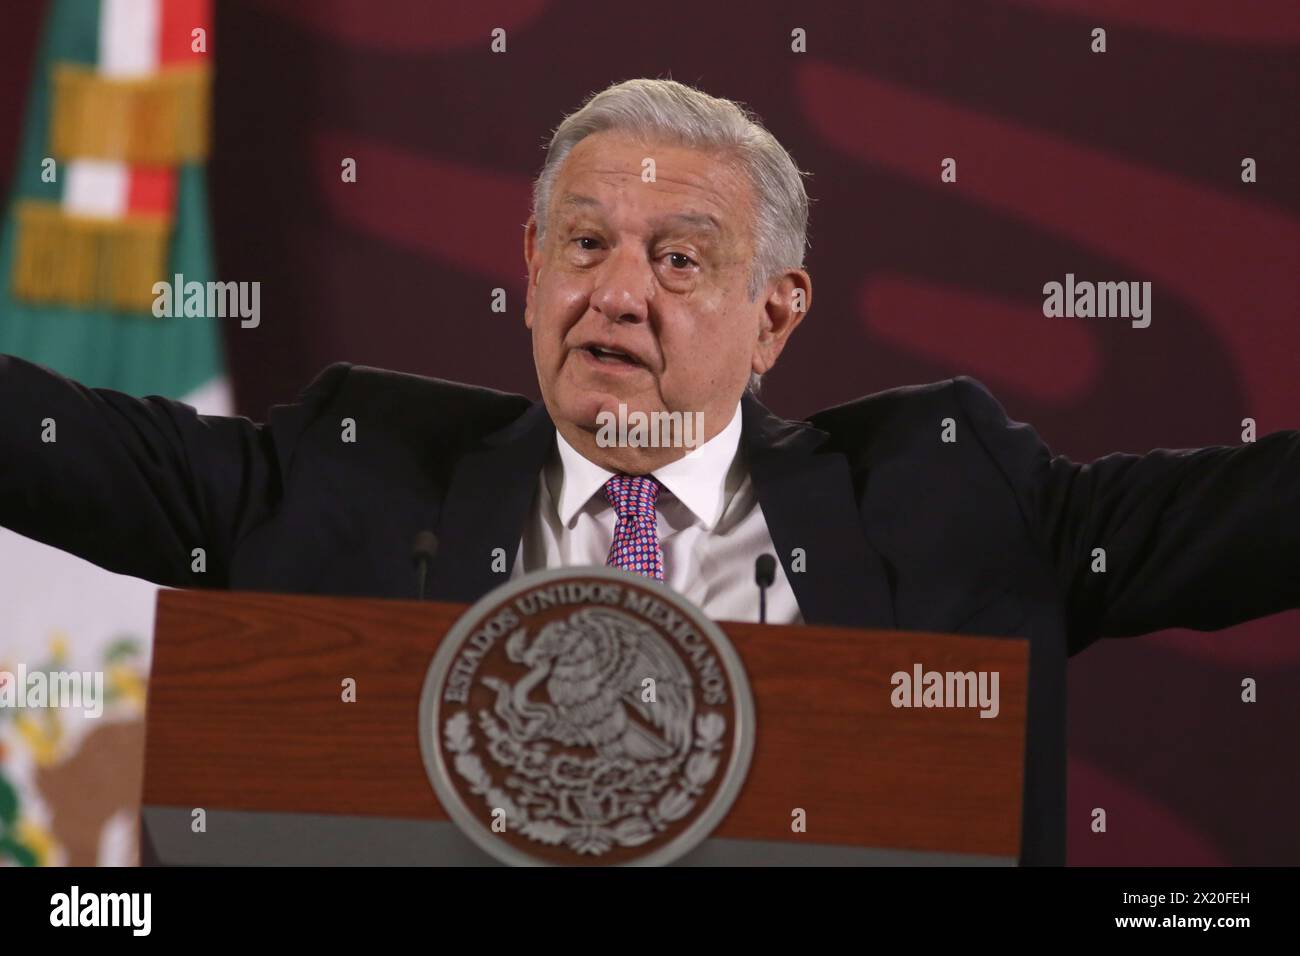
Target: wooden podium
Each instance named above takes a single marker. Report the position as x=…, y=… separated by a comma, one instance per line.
x=246, y=722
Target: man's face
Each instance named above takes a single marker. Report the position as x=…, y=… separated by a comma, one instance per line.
x=637, y=293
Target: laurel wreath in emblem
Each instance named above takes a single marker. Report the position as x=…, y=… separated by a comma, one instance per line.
x=591, y=836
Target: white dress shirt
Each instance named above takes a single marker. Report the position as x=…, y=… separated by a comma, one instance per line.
x=711, y=527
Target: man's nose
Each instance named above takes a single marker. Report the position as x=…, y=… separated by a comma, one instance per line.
x=624, y=286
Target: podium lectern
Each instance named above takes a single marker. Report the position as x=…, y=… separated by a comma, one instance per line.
x=247, y=722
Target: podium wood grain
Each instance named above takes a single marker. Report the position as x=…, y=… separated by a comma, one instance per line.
x=245, y=712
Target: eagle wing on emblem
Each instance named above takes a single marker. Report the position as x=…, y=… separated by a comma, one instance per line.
x=647, y=655
x=593, y=664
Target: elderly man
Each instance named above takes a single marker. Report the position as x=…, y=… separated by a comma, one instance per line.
x=665, y=275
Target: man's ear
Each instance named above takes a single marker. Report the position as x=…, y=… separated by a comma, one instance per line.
x=533, y=262
x=788, y=300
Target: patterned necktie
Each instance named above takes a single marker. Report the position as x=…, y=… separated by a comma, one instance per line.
x=636, y=536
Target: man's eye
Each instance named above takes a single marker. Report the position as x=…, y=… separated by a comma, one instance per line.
x=679, y=260
x=582, y=243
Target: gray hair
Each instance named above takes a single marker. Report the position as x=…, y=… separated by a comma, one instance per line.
x=683, y=115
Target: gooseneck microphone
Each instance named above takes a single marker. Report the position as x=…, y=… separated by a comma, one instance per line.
x=764, y=575
x=423, y=551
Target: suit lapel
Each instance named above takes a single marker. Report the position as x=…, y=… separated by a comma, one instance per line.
x=486, y=506
x=806, y=492
x=808, y=500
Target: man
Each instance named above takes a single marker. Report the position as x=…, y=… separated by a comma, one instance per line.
x=665, y=275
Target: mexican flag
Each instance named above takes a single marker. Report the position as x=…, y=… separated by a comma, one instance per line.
x=109, y=198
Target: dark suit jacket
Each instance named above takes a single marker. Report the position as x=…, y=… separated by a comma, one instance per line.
x=989, y=534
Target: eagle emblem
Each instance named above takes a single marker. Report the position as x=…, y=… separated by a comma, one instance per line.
x=588, y=731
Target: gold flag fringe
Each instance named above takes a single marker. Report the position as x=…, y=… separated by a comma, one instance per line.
x=82, y=261
x=158, y=120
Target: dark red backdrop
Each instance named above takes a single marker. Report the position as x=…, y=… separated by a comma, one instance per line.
x=1116, y=166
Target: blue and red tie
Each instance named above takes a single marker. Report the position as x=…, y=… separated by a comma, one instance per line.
x=636, y=535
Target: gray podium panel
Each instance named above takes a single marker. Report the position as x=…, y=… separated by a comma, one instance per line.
x=238, y=838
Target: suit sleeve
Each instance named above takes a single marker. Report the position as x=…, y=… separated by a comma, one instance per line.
x=1198, y=538
x=134, y=485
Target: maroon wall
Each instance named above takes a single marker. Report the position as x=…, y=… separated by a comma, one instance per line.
x=1116, y=166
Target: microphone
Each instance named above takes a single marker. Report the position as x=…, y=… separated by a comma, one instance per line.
x=764, y=575
x=423, y=550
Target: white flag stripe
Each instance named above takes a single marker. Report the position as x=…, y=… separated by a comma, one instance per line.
x=128, y=36
x=96, y=187
x=213, y=397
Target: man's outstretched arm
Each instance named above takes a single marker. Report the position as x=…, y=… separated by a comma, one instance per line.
x=135, y=485
x=1197, y=538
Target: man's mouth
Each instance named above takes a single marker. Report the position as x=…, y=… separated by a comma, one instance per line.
x=611, y=356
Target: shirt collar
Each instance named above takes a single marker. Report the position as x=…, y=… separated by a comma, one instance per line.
x=698, y=479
